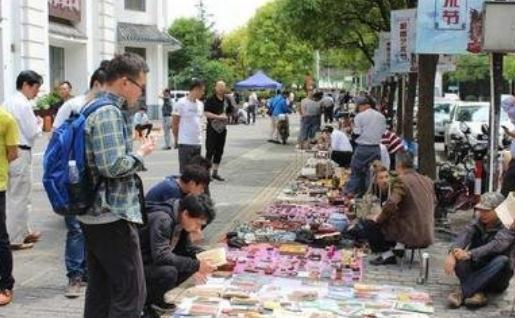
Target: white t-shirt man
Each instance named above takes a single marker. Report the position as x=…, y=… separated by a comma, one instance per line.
x=190, y=125
x=71, y=106
x=21, y=109
x=340, y=141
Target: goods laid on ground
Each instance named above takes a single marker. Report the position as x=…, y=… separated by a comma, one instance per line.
x=248, y=295
x=291, y=260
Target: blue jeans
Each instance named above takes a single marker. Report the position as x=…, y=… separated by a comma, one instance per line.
x=360, y=168
x=309, y=127
x=484, y=276
x=75, y=251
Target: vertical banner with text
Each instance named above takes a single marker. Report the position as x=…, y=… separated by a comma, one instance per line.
x=403, y=26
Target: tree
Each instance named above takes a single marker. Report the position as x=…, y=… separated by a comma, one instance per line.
x=470, y=68
x=425, y=117
x=234, y=55
x=272, y=47
x=196, y=40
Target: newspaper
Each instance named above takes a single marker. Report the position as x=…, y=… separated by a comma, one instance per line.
x=506, y=211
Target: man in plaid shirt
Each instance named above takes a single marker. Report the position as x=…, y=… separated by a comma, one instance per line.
x=116, y=283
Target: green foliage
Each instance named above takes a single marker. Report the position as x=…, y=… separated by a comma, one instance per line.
x=196, y=41
x=234, y=52
x=267, y=43
x=46, y=101
x=470, y=68
x=349, y=25
x=509, y=67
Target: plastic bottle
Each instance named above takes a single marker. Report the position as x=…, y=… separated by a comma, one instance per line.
x=73, y=172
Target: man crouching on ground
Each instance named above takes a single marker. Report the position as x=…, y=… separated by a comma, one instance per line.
x=480, y=256
x=168, y=254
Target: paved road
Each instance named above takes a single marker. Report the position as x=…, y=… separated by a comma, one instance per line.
x=256, y=171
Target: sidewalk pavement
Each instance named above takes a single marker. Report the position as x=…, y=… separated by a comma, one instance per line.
x=256, y=171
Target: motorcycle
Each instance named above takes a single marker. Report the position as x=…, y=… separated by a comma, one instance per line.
x=461, y=180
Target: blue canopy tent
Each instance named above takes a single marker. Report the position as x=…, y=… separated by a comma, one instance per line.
x=258, y=81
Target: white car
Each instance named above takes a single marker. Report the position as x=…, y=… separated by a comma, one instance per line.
x=474, y=114
x=442, y=114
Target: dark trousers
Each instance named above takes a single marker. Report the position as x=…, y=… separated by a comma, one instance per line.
x=161, y=279
x=140, y=128
x=186, y=153
x=360, y=168
x=508, y=182
x=75, y=249
x=328, y=114
x=6, y=256
x=116, y=283
x=251, y=112
x=484, y=276
x=215, y=143
x=370, y=231
x=342, y=158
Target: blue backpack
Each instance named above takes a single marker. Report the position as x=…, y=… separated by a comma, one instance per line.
x=68, y=142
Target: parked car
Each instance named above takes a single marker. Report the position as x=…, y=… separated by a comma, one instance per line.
x=442, y=113
x=474, y=114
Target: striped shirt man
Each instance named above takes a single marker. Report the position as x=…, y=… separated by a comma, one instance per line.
x=392, y=142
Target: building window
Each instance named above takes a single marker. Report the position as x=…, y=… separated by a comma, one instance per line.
x=135, y=5
x=56, y=66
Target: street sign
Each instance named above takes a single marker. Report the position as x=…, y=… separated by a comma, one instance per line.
x=449, y=26
x=499, y=27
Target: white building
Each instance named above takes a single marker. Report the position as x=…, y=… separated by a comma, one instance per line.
x=67, y=40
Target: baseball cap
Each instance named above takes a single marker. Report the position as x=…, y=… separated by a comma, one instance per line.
x=490, y=201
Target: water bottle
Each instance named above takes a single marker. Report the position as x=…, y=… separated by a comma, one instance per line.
x=73, y=172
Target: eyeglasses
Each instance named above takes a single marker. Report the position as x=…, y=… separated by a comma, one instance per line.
x=141, y=87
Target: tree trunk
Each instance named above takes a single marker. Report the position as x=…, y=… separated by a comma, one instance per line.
x=425, y=119
x=392, y=88
x=400, y=104
x=407, y=119
x=384, y=93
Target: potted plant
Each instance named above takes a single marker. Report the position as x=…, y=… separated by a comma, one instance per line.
x=45, y=108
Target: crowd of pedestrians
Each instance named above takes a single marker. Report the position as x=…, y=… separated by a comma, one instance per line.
x=130, y=247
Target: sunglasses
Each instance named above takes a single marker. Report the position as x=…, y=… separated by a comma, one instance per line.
x=141, y=87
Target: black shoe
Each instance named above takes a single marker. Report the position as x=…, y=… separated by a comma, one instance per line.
x=271, y=140
x=217, y=177
x=383, y=261
x=166, y=148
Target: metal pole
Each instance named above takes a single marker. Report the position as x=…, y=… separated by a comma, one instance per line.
x=496, y=61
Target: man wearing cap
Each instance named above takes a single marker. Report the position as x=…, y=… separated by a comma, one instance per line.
x=369, y=126
x=480, y=257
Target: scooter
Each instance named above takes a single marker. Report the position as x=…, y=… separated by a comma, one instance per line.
x=283, y=128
